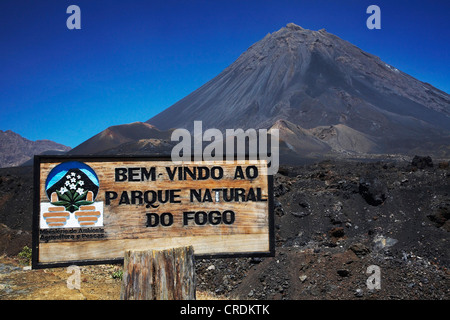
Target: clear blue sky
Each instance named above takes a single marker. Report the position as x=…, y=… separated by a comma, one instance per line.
x=134, y=58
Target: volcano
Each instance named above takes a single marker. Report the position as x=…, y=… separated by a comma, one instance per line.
x=323, y=94
x=340, y=98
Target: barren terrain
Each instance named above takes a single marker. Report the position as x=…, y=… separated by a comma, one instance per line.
x=333, y=220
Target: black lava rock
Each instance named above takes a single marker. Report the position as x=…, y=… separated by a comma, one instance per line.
x=373, y=190
x=422, y=162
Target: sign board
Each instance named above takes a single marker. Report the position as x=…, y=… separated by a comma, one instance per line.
x=89, y=210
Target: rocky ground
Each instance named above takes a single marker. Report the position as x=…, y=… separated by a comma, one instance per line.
x=334, y=221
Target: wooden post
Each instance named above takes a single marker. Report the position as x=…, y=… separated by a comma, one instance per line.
x=159, y=274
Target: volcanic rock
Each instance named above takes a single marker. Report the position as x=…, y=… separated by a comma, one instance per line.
x=422, y=162
x=372, y=189
x=359, y=249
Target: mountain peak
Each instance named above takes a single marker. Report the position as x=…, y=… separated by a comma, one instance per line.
x=293, y=26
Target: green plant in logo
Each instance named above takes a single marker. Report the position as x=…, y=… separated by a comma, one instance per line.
x=73, y=194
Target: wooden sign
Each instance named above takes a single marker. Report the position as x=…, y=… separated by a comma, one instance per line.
x=89, y=210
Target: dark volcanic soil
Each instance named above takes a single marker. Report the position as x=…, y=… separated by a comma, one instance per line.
x=333, y=220
x=16, y=209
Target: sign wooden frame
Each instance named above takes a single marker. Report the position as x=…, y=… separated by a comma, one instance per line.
x=71, y=225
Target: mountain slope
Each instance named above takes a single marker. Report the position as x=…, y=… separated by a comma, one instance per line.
x=314, y=79
x=16, y=150
x=324, y=139
x=115, y=136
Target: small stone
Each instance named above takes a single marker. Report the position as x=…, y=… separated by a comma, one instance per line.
x=300, y=214
x=337, y=232
x=343, y=272
x=359, y=293
x=359, y=249
x=303, y=278
x=255, y=260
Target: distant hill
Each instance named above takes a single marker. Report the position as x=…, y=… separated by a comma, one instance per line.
x=107, y=141
x=16, y=150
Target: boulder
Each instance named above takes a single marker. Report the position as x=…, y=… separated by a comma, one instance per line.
x=373, y=190
x=422, y=162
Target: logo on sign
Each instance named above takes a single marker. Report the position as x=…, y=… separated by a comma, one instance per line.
x=71, y=188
